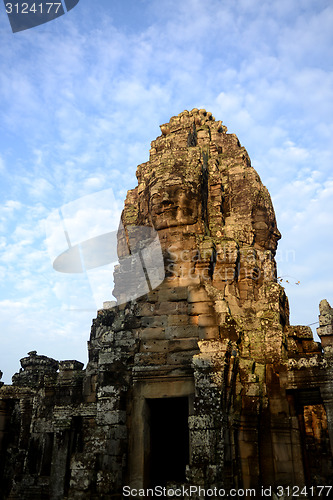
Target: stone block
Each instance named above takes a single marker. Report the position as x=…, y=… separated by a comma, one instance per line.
x=71, y=365
x=81, y=479
x=152, y=333
x=148, y=358
x=300, y=332
x=181, y=331
x=324, y=331
x=145, y=309
x=166, y=308
x=253, y=390
x=209, y=333
x=107, y=416
x=207, y=320
x=247, y=449
x=193, y=280
x=178, y=319
x=152, y=296
x=154, y=321
x=310, y=346
x=181, y=358
x=200, y=422
x=214, y=347
x=154, y=346
x=172, y=294
x=186, y=344
x=196, y=308
x=197, y=294
x=221, y=306
x=203, y=444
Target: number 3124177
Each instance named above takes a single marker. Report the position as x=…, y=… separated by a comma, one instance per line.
x=35, y=8
x=296, y=491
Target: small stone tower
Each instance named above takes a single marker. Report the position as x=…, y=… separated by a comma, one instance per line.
x=198, y=381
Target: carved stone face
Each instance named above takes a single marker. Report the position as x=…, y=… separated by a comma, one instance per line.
x=266, y=233
x=175, y=205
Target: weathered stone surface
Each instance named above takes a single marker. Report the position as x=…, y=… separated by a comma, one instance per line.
x=202, y=375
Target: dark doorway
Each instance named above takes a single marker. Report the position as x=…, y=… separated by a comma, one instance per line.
x=315, y=441
x=169, y=440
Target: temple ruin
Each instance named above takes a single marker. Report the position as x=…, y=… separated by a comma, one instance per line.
x=198, y=381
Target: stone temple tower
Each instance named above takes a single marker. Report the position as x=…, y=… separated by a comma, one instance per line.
x=199, y=380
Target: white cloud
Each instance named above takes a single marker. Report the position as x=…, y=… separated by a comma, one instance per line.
x=81, y=103
x=39, y=188
x=10, y=206
x=2, y=164
x=26, y=327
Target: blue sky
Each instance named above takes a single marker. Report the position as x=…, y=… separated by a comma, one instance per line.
x=82, y=97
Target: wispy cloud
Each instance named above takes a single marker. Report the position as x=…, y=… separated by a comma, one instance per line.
x=82, y=97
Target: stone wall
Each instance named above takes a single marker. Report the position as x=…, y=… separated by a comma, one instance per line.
x=202, y=374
